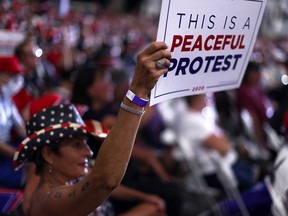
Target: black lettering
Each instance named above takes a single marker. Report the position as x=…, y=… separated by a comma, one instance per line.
x=217, y=63
x=183, y=64
x=247, y=23
x=236, y=57
x=191, y=68
x=211, y=21
x=232, y=22
x=208, y=59
x=193, y=21
x=180, y=19
x=227, y=63
x=173, y=64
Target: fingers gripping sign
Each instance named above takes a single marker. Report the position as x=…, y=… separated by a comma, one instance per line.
x=146, y=72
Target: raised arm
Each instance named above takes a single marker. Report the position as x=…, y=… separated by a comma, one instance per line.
x=115, y=152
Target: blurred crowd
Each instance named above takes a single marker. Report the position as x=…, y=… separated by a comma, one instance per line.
x=87, y=56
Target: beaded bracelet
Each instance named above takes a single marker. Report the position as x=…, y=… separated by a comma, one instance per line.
x=132, y=110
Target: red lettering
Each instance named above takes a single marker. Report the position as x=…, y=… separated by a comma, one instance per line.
x=233, y=44
x=187, y=43
x=227, y=40
x=242, y=46
x=206, y=46
x=218, y=42
x=177, y=41
x=197, y=44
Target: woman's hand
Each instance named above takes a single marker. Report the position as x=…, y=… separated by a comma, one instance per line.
x=146, y=73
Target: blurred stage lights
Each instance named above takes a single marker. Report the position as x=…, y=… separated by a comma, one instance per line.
x=284, y=79
x=38, y=52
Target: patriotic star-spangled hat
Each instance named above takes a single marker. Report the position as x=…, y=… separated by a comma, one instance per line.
x=53, y=125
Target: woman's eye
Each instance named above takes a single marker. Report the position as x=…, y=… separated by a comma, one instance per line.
x=77, y=144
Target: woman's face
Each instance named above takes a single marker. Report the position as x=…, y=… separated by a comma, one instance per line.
x=28, y=58
x=102, y=89
x=72, y=160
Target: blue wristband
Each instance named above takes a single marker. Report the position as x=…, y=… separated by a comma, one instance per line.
x=135, y=99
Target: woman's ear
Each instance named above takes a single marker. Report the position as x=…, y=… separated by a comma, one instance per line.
x=47, y=154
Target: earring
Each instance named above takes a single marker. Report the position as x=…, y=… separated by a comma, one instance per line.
x=50, y=169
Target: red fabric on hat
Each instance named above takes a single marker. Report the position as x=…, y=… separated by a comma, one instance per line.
x=9, y=64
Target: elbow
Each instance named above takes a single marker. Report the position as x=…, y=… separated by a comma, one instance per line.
x=111, y=185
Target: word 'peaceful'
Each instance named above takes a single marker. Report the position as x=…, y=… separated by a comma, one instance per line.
x=190, y=43
x=211, y=42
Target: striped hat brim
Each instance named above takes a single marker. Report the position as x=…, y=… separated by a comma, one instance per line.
x=50, y=135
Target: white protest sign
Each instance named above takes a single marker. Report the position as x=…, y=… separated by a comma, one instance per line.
x=9, y=40
x=210, y=41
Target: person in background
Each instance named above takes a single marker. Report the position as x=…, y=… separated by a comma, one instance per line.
x=11, y=124
x=252, y=97
x=207, y=141
x=39, y=76
x=94, y=88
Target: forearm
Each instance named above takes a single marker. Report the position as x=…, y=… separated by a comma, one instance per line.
x=258, y=129
x=124, y=193
x=218, y=143
x=104, y=177
x=115, y=151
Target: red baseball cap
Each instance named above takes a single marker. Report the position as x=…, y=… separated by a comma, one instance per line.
x=45, y=101
x=10, y=65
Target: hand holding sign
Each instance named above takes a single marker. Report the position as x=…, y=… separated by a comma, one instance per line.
x=210, y=42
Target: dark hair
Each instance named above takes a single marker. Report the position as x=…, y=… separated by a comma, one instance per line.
x=251, y=67
x=84, y=79
x=18, y=51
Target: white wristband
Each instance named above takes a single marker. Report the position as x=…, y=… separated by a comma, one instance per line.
x=132, y=110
